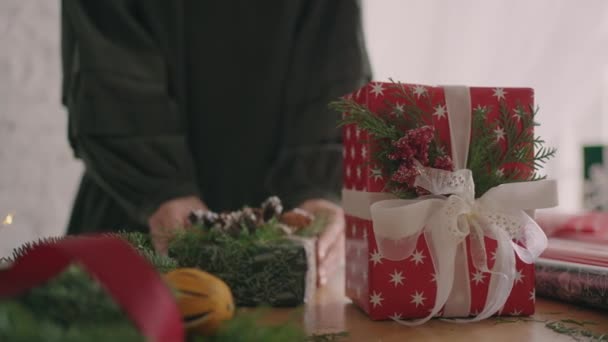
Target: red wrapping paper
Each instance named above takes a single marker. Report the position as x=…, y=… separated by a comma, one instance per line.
x=405, y=289
x=587, y=226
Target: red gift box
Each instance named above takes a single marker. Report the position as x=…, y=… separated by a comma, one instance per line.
x=387, y=289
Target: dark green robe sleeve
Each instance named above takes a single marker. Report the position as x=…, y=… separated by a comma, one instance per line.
x=329, y=60
x=125, y=123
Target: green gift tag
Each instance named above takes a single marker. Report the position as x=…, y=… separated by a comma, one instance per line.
x=595, y=194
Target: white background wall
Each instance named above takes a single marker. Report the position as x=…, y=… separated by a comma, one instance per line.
x=558, y=47
x=38, y=175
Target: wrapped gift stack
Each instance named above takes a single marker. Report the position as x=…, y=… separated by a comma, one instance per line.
x=438, y=185
x=574, y=267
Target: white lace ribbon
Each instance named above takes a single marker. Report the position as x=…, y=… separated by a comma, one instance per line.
x=452, y=213
x=446, y=221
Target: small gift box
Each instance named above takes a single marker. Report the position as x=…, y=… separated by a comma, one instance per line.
x=265, y=255
x=438, y=199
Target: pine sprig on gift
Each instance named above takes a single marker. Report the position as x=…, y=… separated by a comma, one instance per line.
x=365, y=119
x=515, y=155
x=387, y=128
x=487, y=159
x=483, y=153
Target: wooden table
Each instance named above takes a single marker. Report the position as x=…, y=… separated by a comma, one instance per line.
x=331, y=312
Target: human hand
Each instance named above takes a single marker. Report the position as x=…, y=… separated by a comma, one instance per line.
x=169, y=217
x=330, y=247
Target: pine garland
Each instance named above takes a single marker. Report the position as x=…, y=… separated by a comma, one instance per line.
x=74, y=307
x=524, y=155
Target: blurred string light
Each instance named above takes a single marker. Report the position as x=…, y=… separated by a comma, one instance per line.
x=8, y=220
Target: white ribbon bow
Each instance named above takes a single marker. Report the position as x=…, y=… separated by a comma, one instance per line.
x=447, y=221
x=452, y=213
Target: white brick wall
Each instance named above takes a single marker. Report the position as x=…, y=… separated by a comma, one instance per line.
x=38, y=175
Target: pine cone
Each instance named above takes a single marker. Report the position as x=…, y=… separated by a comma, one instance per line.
x=229, y=223
x=206, y=218
x=271, y=207
x=296, y=218
x=249, y=219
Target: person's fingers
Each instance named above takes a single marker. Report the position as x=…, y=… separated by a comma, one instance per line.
x=162, y=229
x=333, y=230
x=170, y=217
x=160, y=239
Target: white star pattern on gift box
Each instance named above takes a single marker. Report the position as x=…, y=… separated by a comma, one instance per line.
x=353, y=152
x=499, y=93
x=348, y=171
x=363, y=152
x=519, y=277
x=478, y=277
x=396, y=316
x=481, y=108
x=364, y=234
x=375, y=174
x=375, y=257
x=532, y=296
x=433, y=277
x=377, y=89
x=419, y=90
x=348, y=133
x=376, y=299
x=493, y=255
x=358, y=172
x=517, y=114
x=364, y=275
x=418, y=298
x=417, y=257
x=500, y=133
x=353, y=230
x=397, y=278
x=399, y=109
x=500, y=173
x=357, y=132
x=440, y=111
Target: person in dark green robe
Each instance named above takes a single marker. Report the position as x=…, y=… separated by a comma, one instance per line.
x=188, y=104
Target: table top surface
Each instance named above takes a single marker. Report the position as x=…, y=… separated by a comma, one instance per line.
x=332, y=312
